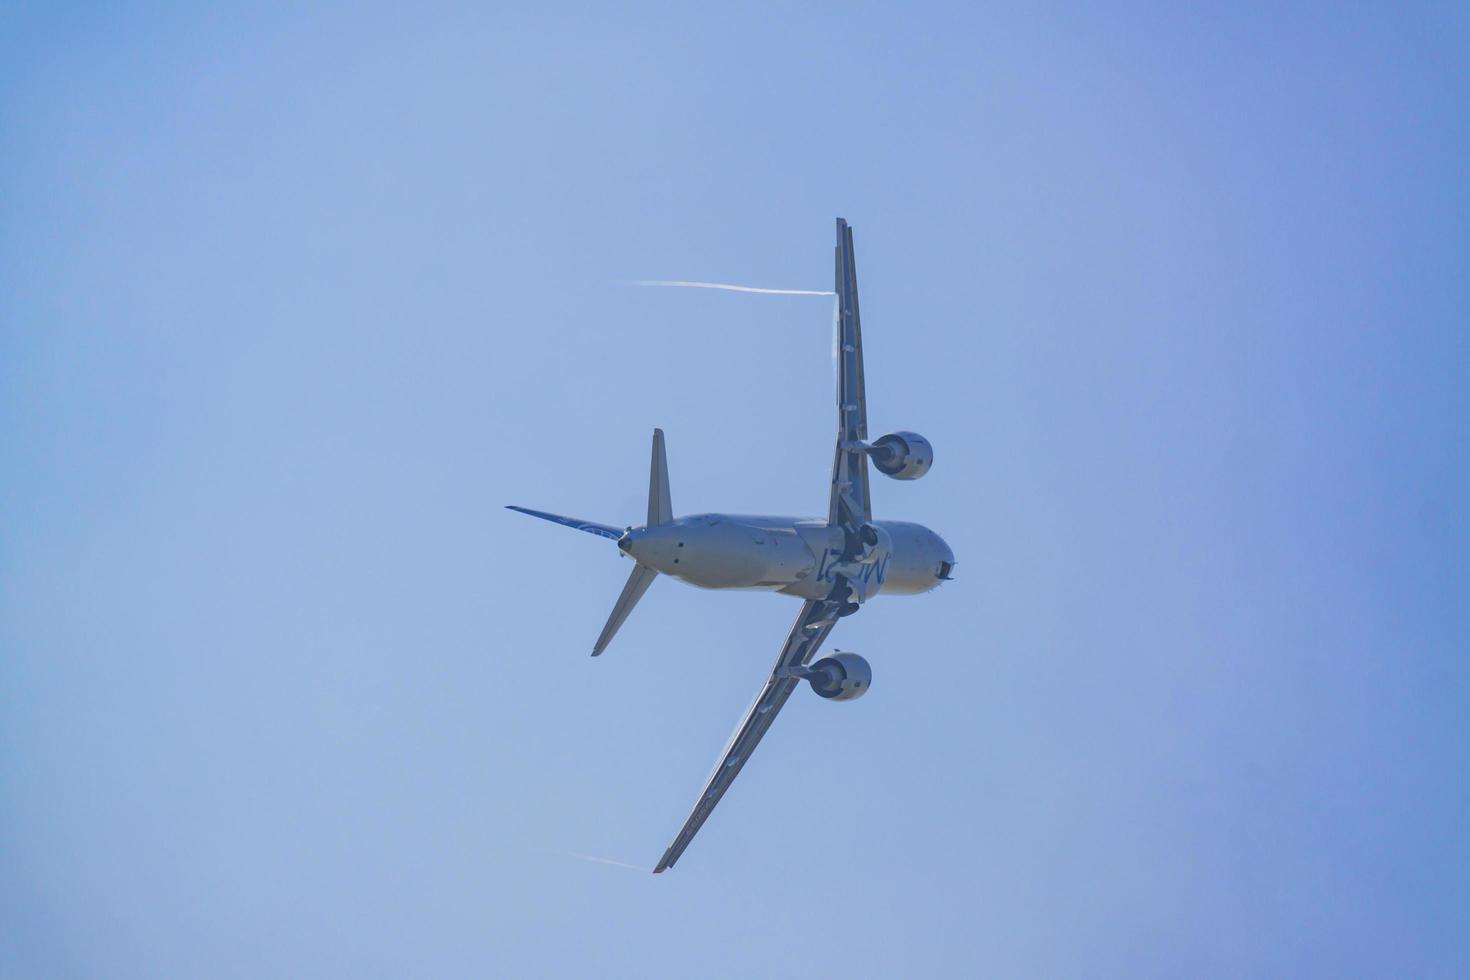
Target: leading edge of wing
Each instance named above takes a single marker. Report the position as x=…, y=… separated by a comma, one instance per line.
x=849, y=503
x=812, y=625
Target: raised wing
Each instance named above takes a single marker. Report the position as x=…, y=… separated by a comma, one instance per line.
x=849, y=505
x=849, y=508
x=811, y=628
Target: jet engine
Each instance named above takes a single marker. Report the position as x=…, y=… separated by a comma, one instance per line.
x=903, y=455
x=841, y=676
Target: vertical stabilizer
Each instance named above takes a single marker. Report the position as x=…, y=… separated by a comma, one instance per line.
x=660, y=511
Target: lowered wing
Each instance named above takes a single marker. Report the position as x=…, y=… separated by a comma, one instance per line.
x=850, y=505
x=807, y=634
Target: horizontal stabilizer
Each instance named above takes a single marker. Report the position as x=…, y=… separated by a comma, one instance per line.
x=638, y=583
x=591, y=527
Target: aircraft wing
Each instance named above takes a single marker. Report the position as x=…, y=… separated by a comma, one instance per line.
x=850, y=505
x=811, y=628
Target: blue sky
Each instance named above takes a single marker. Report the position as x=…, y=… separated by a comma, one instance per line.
x=292, y=303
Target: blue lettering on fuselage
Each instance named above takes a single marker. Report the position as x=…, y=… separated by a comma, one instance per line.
x=878, y=569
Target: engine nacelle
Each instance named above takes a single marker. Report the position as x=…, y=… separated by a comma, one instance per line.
x=903, y=455
x=841, y=677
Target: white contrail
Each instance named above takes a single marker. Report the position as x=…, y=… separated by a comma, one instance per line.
x=598, y=860
x=732, y=288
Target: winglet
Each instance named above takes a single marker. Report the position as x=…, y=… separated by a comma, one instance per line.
x=660, y=511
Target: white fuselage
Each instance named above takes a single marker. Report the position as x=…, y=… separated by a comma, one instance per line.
x=786, y=554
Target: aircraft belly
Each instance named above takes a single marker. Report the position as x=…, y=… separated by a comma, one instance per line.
x=738, y=556
x=910, y=568
x=797, y=557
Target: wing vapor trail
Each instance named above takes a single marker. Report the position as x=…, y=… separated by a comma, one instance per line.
x=597, y=860
x=686, y=284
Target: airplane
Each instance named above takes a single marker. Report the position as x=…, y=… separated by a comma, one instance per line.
x=834, y=565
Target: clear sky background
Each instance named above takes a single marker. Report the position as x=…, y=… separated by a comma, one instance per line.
x=291, y=304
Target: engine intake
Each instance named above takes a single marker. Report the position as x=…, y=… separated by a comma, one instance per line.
x=841, y=677
x=903, y=455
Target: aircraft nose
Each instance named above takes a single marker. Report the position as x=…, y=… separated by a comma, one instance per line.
x=946, y=562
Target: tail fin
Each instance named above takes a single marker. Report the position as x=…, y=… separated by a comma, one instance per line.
x=660, y=511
